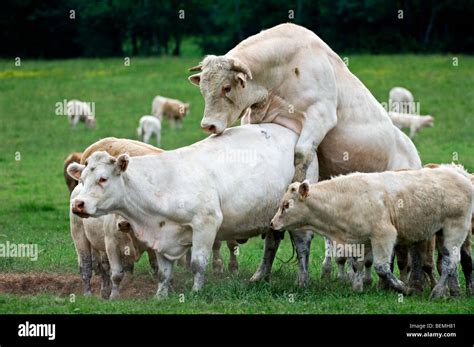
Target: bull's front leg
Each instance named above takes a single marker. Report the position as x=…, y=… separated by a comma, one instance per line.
x=320, y=119
x=272, y=241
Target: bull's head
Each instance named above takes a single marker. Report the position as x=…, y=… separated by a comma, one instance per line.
x=224, y=85
x=102, y=186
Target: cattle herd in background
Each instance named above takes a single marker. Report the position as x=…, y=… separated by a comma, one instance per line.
x=179, y=205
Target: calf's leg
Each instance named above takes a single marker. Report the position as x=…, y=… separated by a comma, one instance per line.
x=302, y=241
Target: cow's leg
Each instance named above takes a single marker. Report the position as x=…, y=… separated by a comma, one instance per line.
x=302, y=241
x=358, y=277
x=153, y=261
x=382, y=248
x=116, y=267
x=172, y=123
x=368, y=260
x=341, y=268
x=146, y=136
x=454, y=236
x=179, y=123
x=272, y=241
x=105, y=288
x=217, y=262
x=466, y=264
x=204, y=235
x=428, y=263
x=165, y=274
x=439, y=248
x=326, y=269
x=83, y=250
x=415, y=281
x=403, y=263
x=233, y=263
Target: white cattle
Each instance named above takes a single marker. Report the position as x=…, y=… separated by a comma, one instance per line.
x=80, y=111
x=149, y=125
x=112, y=244
x=172, y=109
x=225, y=187
x=401, y=100
x=283, y=73
x=411, y=121
x=380, y=209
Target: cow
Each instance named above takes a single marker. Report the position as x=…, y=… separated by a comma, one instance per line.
x=288, y=69
x=149, y=125
x=171, y=109
x=411, y=121
x=74, y=157
x=401, y=100
x=379, y=209
x=80, y=111
x=223, y=187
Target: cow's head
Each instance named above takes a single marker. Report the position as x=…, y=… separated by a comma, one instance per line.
x=223, y=83
x=293, y=208
x=428, y=121
x=102, y=189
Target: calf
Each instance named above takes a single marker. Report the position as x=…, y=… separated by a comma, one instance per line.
x=380, y=209
x=79, y=111
x=149, y=125
x=411, y=121
x=401, y=100
x=171, y=109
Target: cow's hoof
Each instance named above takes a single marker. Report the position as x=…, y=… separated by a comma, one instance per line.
x=114, y=296
x=358, y=287
x=455, y=292
x=326, y=272
x=259, y=276
x=233, y=267
x=218, y=266
x=438, y=292
x=88, y=293
x=368, y=281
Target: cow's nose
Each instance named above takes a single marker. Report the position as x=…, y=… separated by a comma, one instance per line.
x=124, y=225
x=78, y=206
x=209, y=128
x=271, y=225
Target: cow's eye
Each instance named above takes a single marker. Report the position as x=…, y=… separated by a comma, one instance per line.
x=286, y=205
x=227, y=88
x=102, y=180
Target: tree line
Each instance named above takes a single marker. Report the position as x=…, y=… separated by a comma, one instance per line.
x=102, y=28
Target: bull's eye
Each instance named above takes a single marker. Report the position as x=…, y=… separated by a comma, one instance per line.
x=227, y=88
x=102, y=180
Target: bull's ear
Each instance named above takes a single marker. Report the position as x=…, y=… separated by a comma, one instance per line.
x=122, y=163
x=303, y=189
x=195, y=79
x=74, y=170
x=241, y=78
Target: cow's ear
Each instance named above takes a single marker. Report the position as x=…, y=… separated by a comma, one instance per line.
x=195, y=79
x=122, y=162
x=303, y=189
x=241, y=78
x=75, y=170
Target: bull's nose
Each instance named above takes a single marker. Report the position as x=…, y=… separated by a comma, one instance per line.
x=209, y=128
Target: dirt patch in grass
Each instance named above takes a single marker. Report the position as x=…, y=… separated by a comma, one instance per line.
x=35, y=283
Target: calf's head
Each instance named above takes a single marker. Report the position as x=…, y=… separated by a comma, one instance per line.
x=223, y=83
x=102, y=189
x=293, y=209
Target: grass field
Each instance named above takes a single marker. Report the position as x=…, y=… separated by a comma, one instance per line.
x=34, y=198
